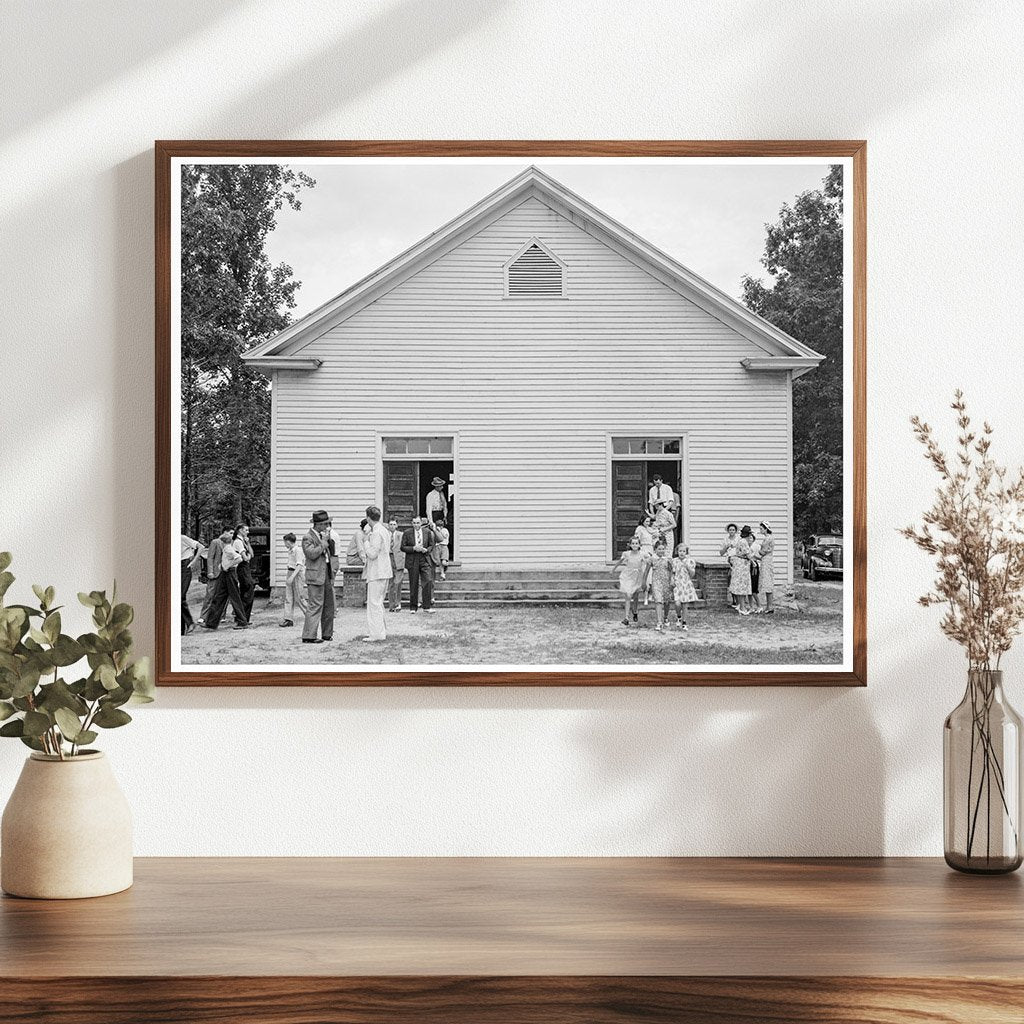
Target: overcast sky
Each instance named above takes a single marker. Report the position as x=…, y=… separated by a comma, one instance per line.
x=711, y=218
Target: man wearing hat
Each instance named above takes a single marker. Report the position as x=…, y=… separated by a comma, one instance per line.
x=437, y=503
x=316, y=546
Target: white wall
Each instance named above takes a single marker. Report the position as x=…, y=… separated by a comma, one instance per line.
x=937, y=88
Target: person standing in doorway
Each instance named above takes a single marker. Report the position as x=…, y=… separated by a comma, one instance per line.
x=378, y=573
x=437, y=503
x=316, y=548
x=659, y=492
x=397, y=567
x=294, y=582
x=417, y=543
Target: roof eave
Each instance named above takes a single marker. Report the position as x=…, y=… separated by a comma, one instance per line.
x=271, y=363
x=798, y=365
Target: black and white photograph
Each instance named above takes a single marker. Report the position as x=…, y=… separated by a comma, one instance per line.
x=511, y=414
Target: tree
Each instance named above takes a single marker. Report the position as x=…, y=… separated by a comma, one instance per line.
x=804, y=253
x=231, y=299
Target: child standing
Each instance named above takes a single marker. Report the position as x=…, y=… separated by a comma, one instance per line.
x=295, y=581
x=440, y=554
x=632, y=572
x=661, y=581
x=684, y=568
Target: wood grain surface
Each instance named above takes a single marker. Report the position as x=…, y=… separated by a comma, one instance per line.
x=167, y=150
x=482, y=940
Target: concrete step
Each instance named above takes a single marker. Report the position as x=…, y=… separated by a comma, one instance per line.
x=529, y=574
x=573, y=602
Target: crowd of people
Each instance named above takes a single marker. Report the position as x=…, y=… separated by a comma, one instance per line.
x=653, y=567
x=384, y=553
x=657, y=569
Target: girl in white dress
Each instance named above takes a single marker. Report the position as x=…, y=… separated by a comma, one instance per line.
x=766, y=584
x=684, y=568
x=632, y=572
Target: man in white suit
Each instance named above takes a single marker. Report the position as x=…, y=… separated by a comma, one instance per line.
x=377, y=546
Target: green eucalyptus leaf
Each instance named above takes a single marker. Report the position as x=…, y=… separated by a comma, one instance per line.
x=27, y=681
x=50, y=595
x=40, y=593
x=36, y=723
x=5, y=560
x=69, y=724
x=51, y=626
x=94, y=689
x=59, y=695
x=6, y=710
x=89, y=600
x=107, y=676
x=90, y=643
x=22, y=703
x=9, y=663
x=111, y=718
x=122, y=616
x=86, y=736
x=66, y=651
x=16, y=727
x=39, y=636
x=34, y=743
x=6, y=579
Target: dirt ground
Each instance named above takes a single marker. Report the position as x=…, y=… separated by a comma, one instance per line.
x=804, y=630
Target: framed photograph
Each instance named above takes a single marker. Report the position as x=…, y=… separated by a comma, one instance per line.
x=510, y=413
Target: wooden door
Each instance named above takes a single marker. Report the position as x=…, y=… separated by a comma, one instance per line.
x=401, y=487
x=629, y=494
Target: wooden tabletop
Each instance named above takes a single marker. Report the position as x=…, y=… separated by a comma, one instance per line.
x=503, y=918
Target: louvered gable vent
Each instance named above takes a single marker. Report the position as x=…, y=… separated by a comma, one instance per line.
x=534, y=272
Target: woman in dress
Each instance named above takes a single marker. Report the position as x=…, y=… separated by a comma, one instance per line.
x=739, y=579
x=766, y=585
x=661, y=581
x=728, y=548
x=632, y=572
x=684, y=568
x=665, y=525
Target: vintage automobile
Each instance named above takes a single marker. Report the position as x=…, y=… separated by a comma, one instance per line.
x=259, y=538
x=822, y=556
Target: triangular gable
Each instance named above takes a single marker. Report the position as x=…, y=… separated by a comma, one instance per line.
x=782, y=351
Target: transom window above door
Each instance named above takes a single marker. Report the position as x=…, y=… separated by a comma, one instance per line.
x=645, y=445
x=418, y=445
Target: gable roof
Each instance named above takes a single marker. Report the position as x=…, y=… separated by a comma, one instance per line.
x=782, y=352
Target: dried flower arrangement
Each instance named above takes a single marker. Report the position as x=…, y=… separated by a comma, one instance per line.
x=975, y=529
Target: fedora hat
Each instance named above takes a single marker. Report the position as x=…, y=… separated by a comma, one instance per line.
x=437, y=480
x=320, y=516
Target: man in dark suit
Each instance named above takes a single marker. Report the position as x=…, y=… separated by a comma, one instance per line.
x=318, y=550
x=417, y=542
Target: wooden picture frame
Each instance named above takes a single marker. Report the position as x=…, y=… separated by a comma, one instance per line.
x=853, y=153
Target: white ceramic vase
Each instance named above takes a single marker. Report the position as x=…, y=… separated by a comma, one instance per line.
x=66, y=831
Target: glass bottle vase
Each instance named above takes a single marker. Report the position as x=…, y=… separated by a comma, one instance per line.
x=981, y=772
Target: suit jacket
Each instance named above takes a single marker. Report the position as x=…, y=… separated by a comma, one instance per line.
x=378, y=553
x=318, y=563
x=214, y=553
x=409, y=542
x=397, y=554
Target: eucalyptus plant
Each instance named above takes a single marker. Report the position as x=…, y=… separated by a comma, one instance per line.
x=45, y=711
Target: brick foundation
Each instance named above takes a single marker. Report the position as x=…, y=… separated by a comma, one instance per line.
x=713, y=580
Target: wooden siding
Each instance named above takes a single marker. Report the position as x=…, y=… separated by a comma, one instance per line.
x=532, y=388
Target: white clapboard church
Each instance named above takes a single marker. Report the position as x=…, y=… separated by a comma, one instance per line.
x=545, y=362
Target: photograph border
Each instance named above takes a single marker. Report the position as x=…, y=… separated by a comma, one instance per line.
x=165, y=151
